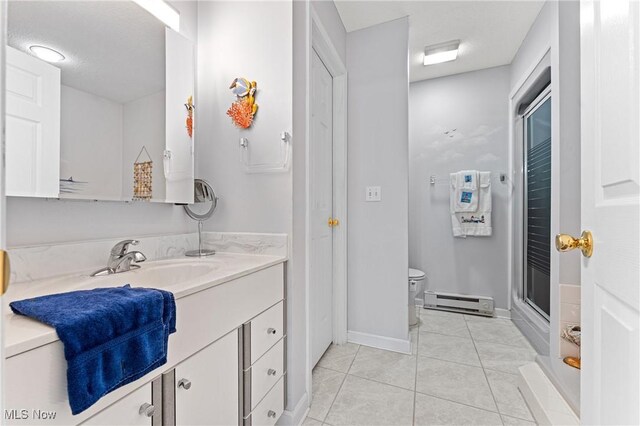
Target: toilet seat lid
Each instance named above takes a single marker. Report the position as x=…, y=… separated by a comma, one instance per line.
x=415, y=274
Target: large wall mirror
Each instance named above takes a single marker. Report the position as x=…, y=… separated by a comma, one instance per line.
x=98, y=99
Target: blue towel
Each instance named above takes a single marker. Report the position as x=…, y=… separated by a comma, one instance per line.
x=111, y=336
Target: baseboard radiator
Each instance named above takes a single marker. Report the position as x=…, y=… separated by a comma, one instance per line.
x=476, y=305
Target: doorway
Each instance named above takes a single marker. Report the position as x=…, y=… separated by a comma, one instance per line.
x=537, y=204
x=321, y=209
x=326, y=196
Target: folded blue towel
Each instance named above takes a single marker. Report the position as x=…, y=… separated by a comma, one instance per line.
x=111, y=336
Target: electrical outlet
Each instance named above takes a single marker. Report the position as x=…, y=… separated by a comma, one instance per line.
x=373, y=193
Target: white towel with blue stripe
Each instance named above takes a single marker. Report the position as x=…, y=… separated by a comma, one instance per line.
x=471, y=222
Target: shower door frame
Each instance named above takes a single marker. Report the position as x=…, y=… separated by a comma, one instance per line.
x=545, y=95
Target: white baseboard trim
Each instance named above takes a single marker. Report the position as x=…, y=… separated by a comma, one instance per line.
x=297, y=415
x=545, y=402
x=502, y=313
x=380, y=342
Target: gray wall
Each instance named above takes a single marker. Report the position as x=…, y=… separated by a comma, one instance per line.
x=377, y=65
x=259, y=49
x=476, y=105
x=34, y=221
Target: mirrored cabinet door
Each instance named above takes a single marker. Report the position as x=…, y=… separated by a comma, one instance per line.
x=99, y=103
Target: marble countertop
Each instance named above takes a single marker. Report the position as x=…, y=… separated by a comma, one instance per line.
x=182, y=276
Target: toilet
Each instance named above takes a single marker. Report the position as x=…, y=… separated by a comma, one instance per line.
x=416, y=277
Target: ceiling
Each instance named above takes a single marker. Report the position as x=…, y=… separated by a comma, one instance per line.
x=490, y=32
x=113, y=49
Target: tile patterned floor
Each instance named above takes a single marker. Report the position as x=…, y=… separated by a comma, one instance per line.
x=463, y=371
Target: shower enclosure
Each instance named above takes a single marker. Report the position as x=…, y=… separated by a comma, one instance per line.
x=537, y=204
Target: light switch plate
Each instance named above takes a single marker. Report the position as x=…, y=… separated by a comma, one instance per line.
x=373, y=193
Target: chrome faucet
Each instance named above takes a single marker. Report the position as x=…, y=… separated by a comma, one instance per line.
x=121, y=260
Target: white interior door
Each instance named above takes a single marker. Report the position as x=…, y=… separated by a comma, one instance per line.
x=610, y=55
x=33, y=126
x=321, y=202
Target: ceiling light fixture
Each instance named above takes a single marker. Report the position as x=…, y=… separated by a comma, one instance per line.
x=46, y=53
x=442, y=52
x=163, y=11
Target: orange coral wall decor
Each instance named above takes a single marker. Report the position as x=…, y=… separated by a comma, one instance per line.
x=244, y=109
x=189, y=122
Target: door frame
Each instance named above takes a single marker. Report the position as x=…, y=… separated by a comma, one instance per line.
x=321, y=43
x=537, y=329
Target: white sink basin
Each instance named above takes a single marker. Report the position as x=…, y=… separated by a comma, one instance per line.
x=167, y=274
x=164, y=274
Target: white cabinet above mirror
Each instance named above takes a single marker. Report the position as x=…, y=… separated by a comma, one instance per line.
x=118, y=94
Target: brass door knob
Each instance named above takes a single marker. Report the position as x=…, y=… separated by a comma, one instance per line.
x=566, y=242
x=5, y=271
x=333, y=222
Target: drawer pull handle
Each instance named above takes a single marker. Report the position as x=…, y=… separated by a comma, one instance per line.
x=271, y=372
x=271, y=331
x=271, y=414
x=184, y=383
x=147, y=409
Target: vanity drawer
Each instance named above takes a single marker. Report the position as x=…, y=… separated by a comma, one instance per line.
x=270, y=408
x=263, y=375
x=262, y=332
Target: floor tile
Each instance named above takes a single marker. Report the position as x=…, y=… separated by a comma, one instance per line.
x=508, y=397
x=339, y=357
x=387, y=367
x=325, y=386
x=452, y=326
x=498, y=332
x=436, y=411
x=455, y=382
x=509, y=421
x=448, y=348
x=363, y=402
x=507, y=359
x=311, y=422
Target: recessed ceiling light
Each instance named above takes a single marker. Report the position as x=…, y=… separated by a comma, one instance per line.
x=442, y=52
x=163, y=11
x=46, y=53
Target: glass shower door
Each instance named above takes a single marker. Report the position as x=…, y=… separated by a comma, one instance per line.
x=537, y=204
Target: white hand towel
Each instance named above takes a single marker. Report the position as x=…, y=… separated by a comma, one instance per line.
x=474, y=223
x=464, y=190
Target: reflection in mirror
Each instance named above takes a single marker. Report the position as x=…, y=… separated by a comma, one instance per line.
x=103, y=102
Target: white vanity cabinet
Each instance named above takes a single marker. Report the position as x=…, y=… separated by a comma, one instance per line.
x=205, y=386
x=137, y=409
x=226, y=365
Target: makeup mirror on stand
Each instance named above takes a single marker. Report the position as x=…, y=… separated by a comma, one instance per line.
x=204, y=204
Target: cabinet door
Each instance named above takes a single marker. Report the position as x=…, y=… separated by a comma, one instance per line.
x=206, y=385
x=127, y=410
